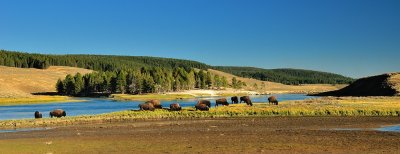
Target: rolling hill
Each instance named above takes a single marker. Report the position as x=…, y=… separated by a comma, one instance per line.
x=274, y=87
x=380, y=85
x=21, y=82
x=112, y=63
x=286, y=76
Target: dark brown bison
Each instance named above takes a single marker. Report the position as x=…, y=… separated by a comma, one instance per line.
x=38, y=115
x=206, y=102
x=246, y=99
x=221, y=101
x=175, y=107
x=234, y=100
x=272, y=100
x=156, y=103
x=202, y=107
x=57, y=113
x=146, y=106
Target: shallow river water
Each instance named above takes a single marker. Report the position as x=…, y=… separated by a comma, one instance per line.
x=98, y=106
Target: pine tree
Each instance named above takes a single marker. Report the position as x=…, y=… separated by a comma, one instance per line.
x=69, y=85
x=234, y=83
x=224, y=81
x=202, y=78
x=121, y=82
x=209, y=80
x=60, y=87
x=217, y=81
x=79, y=84
x=191, y=79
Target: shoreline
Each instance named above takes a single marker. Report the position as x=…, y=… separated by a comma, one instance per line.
x=189, y=94
x=321, y=107
x=43, y=99
x=213, y=135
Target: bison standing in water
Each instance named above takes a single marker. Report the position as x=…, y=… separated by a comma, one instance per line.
x=175, y=107
x=156, y=103
x=57, y=113
x=146, y=106
x=38, y=115
x=202, y=107
x=234, y=100
x=221, y=101
x=272, y=100
x=246, y=99
x=206, y=102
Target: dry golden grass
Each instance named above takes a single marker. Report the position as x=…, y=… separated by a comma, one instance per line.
x=394, y=81
x=21, y=82
x=36, y=100
x=151, y=96
x=273, y=87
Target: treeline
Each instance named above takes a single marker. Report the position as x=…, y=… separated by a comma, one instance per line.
x=95, y=62
x=144, y=80
x=287, y=76
x=108, y=63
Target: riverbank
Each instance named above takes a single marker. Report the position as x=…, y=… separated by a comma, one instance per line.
x=212, y=135
x=188, y=94
x=37, y=100
x=326, y=106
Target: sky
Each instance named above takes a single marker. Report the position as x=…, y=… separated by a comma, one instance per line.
x=355, y=38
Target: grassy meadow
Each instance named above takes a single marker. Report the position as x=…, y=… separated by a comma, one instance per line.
x=36, y=100
x=326, y=106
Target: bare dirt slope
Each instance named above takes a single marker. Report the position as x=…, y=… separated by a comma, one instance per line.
x=273, y=87
x=380, y=85
x=21, y=82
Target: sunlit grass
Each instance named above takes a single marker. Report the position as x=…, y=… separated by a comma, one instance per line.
x=374, y=106
x=36, y=100
x=151, y=96
x=232, y=94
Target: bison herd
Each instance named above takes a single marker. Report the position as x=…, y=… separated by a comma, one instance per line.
x=203, y=105
x=151, y=105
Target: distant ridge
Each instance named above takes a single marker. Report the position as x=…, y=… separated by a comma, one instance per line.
x=113, y=63
x=380, y=85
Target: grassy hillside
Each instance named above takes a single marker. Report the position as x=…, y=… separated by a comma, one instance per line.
x=287, y=76
x=273, y=87
x=111, y=63
x=21, y=82
x=379, y=85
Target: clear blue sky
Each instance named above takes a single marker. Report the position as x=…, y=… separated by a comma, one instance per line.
x=351, y=37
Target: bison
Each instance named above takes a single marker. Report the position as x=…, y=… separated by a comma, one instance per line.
x=57, y=113
x=272, y=100
x=234, y=100
x=246, y=99
x=175, y=107
x=206, y=102
x=202, y=107
x=38, y=115
x=221, y=101
x=146, y=106
x=156, y=103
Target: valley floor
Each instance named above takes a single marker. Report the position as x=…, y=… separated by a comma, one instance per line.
x=216, y=135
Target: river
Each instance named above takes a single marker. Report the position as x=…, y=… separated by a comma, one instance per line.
x=98, y=106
